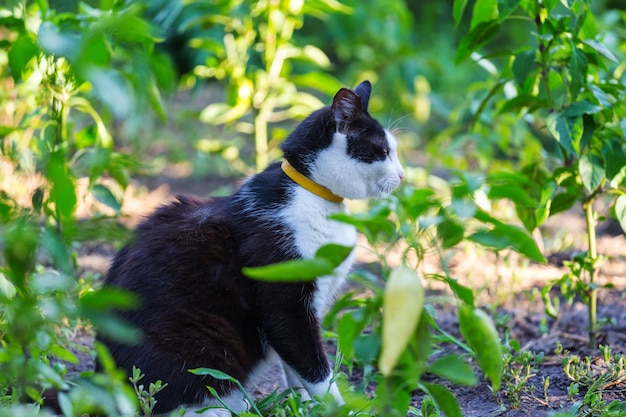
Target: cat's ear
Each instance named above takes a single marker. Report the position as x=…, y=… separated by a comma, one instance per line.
x=346, y=108
x=364, y=90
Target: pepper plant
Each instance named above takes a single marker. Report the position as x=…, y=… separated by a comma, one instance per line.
x=564, y=90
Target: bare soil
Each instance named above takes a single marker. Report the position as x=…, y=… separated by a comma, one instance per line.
x=506, y=284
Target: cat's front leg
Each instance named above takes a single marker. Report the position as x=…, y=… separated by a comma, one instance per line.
x=293, y=330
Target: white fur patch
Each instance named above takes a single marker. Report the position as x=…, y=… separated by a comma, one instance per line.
x=307, y=215
x=320, y=389
x=349, y=178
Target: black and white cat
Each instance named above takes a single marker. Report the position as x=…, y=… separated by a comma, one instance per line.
x=185, y=261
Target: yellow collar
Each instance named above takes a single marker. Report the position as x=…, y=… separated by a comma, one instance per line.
x=309, y=184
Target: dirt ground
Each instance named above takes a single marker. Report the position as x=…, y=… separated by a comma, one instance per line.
x=507, y=282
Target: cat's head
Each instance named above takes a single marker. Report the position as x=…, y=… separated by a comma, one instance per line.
x=344, y=149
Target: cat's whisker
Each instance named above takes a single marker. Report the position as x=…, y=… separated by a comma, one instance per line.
x=394, y=124
x=385, y=186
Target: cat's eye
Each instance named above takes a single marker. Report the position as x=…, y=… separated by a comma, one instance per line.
x=387, y=152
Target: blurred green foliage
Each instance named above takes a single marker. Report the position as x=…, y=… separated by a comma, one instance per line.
x=68, y=76
x=517, y=101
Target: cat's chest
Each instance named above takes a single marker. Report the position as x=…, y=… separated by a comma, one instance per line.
x=307, y=217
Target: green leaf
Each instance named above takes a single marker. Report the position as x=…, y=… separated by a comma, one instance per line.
x=600, y=95
x=22, y=51
x=505, y=235
x=104, y=195
x=454, y=369
x=349, y=327
x=506, y=7
x=63, y=191
x=7, y=289
x=511, y=191
x=480, y=333
x=477, y=38
x=566, y=130
x=521, y=101
x=113, y=89
x=57, y=248
x=53, y=41
x=156, y=101
x=20, y=244
x=578, y=71
x=5, y=130
x=296, y=270
x=94, y=51
x=326, y=259
x=108, y=297
x=370, y=224
x=213, y=373
x=620, y=210
x=114, y=328
x=464, y=293
x=592, y=172
x=522, y=66
x=581, y=107
x=320, y=81
x=127, y=26
x=421, y=346
x=450, y=231
x=484, y=11
x=562, y=202
x=65, y=403
x=334, y=253
x=549, y=307
x=63, y=353
x=366, y=347
x=614, y=157
x=12, y=23
x=445, y=400
x=220, y=113
x=529, y=6
x=601, y=49
x=457, y=11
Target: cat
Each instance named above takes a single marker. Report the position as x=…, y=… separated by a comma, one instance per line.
x=185, y=260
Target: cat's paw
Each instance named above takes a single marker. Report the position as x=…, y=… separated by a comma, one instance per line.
x=323, y=388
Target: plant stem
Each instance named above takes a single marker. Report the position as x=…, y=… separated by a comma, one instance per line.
x=593, y=271
x=544, y=50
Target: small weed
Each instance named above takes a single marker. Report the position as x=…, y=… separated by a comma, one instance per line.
x=572, y=391
x=427, y=409
x=546, y=385
x=146, y=397
x=518, y=370
x=596, y=375
x=608, y=370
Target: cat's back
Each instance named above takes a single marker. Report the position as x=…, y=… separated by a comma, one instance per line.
x=185, y=245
